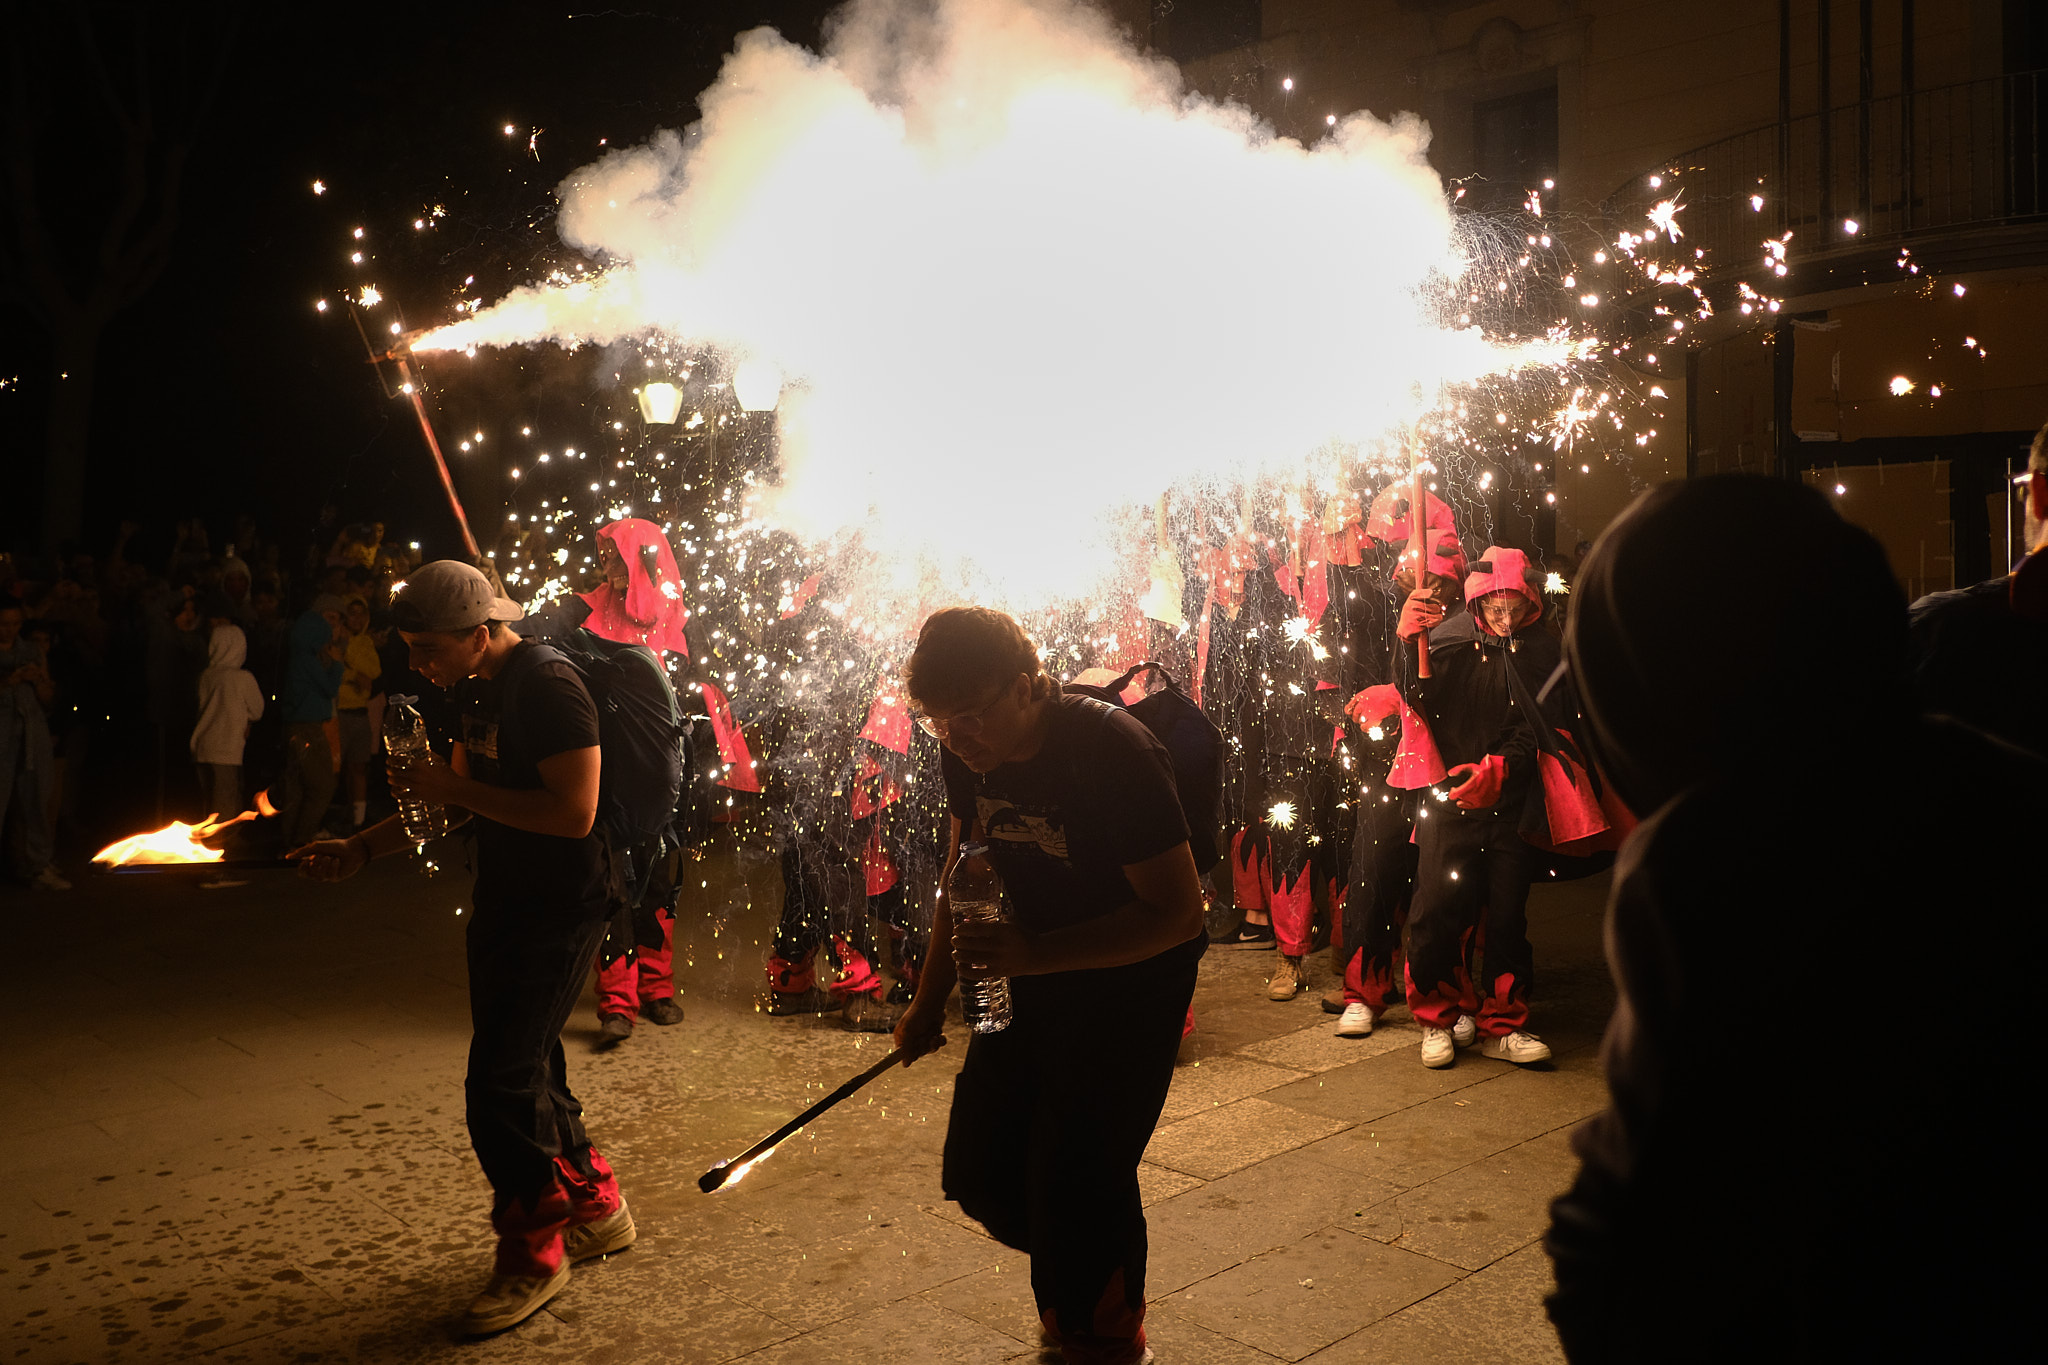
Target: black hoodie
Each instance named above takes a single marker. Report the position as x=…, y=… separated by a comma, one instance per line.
x=1813, y=1151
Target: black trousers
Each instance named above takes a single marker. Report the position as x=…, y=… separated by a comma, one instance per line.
x=1471, y=882
x=1376, y=897
x=1050, y=1118
x=527, y=966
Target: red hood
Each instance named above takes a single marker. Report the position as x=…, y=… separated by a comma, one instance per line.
x=1446, y=556
x=1500, y=571
x=651, y=611
x=1388, y=519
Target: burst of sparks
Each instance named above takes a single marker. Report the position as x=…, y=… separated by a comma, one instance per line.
x=1555, y=583
x=1281, y=816
x=1302, y=631
x=1664, y=217
x=1901, y=386
x=371, y=296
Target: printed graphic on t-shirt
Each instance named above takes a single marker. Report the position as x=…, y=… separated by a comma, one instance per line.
x=480, y=739
x=1014, y=825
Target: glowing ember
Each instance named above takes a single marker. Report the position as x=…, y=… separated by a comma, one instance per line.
x=739, y=1172
x=176, y=842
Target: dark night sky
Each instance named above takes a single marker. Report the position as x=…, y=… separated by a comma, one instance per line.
x=222, y=390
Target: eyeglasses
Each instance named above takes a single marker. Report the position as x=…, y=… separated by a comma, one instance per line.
x=939, y=727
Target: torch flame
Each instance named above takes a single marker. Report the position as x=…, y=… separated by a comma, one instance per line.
x=176, y=842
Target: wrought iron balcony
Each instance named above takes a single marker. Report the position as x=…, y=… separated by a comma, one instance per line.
x=1955, y=169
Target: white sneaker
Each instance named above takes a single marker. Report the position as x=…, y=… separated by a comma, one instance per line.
x=1437, y=1051
x=509, y=1300
x=1465, y=1032
x=1356, y=1021
x=582, y=1241
x=49, y=880
x=1518, y=1047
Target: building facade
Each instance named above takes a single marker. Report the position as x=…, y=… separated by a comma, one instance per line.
x=1897, y=142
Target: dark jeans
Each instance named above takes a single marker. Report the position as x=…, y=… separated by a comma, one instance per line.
x=1472, y=879
x=527, y=966
x=1050, y=1118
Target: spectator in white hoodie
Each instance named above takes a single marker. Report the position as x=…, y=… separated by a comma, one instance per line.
x=229, y=703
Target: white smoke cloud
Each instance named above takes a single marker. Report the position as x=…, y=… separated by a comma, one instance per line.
x=1018, y=277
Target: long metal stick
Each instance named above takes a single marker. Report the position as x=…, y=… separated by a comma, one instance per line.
x=725, y=1170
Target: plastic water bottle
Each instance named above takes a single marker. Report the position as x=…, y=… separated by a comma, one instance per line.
x=405, y=743
x=975, y=895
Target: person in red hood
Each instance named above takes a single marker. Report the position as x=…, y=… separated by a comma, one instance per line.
x=1473, y=862
x=1382, y=855
x=641, y=599
x=639, y=602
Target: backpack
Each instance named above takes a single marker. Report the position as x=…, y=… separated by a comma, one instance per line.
x=640, y=734
x=1194, y=746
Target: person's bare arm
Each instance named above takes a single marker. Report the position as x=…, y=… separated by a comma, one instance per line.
x=565, y=803
x=333, y=860
x=1167, y=911
x=921, y=1027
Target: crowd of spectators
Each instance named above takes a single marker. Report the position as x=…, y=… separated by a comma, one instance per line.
x=120, y=708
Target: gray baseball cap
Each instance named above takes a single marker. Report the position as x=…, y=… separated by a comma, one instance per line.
x=448, y=595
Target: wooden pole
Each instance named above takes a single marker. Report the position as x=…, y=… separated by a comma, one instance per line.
x=1418, y=536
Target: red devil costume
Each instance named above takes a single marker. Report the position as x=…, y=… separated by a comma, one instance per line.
x=1474, y=864
x=636, y=965
x=1392, y=767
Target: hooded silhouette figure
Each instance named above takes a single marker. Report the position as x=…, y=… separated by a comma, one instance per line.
x=1796, y=1164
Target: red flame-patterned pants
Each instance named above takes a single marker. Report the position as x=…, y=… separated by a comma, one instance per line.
x=1472, y=880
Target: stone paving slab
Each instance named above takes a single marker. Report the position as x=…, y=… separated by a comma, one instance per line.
x=1379, y=1085
x=1493, y=1317
x=1218, y=1141
x=810, y=1284
x=1263, y=1207
x=1203, y=1085
x=1294, y=1301
x=1479, y=1213
x=203, y=1314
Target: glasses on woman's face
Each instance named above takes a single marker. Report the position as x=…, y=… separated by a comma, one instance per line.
x=943, y=727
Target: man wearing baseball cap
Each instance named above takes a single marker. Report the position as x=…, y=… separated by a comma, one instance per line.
x=526, y=769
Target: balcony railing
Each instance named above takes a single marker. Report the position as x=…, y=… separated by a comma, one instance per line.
x=1934, y=161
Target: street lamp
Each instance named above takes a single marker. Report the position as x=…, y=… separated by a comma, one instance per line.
x=660, y=404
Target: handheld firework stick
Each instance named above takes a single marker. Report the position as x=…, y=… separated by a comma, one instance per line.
x=1418, y=538
x=735, y=1167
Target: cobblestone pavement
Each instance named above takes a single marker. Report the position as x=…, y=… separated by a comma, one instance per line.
x=240, y=1138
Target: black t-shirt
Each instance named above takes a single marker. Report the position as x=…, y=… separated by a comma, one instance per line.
x=536, y=707
x=1062, y=825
